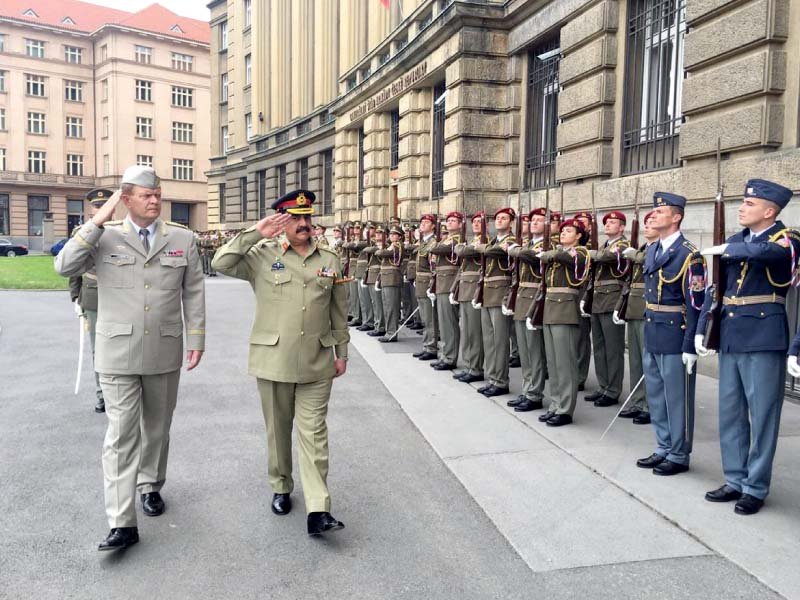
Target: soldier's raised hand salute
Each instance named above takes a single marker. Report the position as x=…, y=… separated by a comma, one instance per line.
x=106, y=212
x=273, y=225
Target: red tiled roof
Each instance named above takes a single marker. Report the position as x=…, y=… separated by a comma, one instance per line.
x=89, y=17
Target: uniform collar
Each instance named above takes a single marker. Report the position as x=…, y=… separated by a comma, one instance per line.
x=150, y=228
x=667, y=242
x=285, y=246
x=756, y=234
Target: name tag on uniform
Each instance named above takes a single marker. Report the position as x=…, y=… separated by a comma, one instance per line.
x=278, y=266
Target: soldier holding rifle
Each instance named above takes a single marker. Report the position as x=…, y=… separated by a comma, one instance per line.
x=447, y=265
x=463, y=292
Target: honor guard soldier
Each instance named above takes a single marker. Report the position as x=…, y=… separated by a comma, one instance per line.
x=149, y=282
x=608, y=338
x=757, y=268
x=495, y=324
x=391, y=258
x=463, y=292
x=585, y=341
x=566, y=271
x=362, y=261
x=410, y=274
x=298, y=345
x=447, y=264
x=338, y=234
x=83, y=292
x=638, y=411
x=422, y=282
x=319, y=236
x=531, y=342
x=372, y=281
x=354, y=313
x=674, y=278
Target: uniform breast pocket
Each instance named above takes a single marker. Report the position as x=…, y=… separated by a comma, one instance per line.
x=278, y=286
x=172, y=270
x=117, y=270
x=322, y=289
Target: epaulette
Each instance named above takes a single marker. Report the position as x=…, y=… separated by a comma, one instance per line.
x=689, y=245
x=328, y=250
x=787, y=232
x=265, y=242
x=176, y=224
x=120, y=222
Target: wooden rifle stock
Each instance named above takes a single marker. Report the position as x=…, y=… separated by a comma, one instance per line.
x=588, y=294
x=511, y=305
x=463, y=240
x=711, y=333
x=483, y=240
x=536, y=312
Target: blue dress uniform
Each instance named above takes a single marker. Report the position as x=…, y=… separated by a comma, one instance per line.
x=756, y=273
x=674, y=280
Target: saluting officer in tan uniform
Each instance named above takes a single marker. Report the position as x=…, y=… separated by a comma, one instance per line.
x=447, y=264
x=297, y=346
x=148, y=273
x=83, y=292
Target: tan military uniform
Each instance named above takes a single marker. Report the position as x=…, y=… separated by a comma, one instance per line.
x=370, y=279
x=447, y=265
x=391, y=259
x=364, y=299
x=348, y=258
x=141, y=296
x=300, y=326
x=409, y=295
x=469, y=276
x=422, y=283
x=634, y=326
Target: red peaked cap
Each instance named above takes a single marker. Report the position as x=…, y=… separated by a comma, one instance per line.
x=507, y=210
x=615, y=214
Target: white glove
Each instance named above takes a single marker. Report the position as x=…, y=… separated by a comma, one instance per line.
x=792, y=366
x=700, y=349
x=615, y=318
x=362, y=284
x=78, y=309
x=715, y=250
x=377, y=287
x=431, y=297
x=629, y=253
x=529, y=324
x=476, y=305
x=583, y=311
x=452, y=299
x=689, y=360
x=506, y=311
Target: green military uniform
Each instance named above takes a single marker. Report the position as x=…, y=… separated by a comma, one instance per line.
x=409, y=295
x=371, y=280
x=349, y=258
x=142, y=294
x=391, y=275
x=465, y=289
x=447, y=265
x=565, y=274
x=608, y=339
x=422, y=282
x=634, y=319
x=495, y=325
x=359, y=248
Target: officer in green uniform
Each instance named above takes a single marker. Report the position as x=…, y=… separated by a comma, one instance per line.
x=391, y=258
x=350, y=265
x=298, y=345
x=410, y=275
x=360, y=247
x=585, y=337
x=463, y=292
x=447, y=264
x=372, y=281
x=319, y=236
x=422, y=282
x=83, y=292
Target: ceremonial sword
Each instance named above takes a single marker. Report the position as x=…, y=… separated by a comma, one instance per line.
x=636, y=387
x=81, y=338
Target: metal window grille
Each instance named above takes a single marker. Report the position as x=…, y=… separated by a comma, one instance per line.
x=261, y=178
x=360, y=196
x=437, y=157
x=542, y=115
x=395, y=140
x=327, y=182
x=653, y=84
x=243, y=196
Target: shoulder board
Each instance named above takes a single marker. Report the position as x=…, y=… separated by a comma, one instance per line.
x=107, y=223
x=328, y=250
x=176, y=224
x=689, y=245
x=266, y=242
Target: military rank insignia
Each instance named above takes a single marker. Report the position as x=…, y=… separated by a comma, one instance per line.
x=326, y=272
x=177, y=253
x=278, y=266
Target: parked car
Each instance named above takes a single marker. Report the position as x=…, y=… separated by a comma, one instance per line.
x=56, y=248
x=9, y=249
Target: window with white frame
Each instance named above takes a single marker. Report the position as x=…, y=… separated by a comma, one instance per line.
x=144, y=160
x=36, y=123
x=2, y=159
x=105, y=127
x=73, y=90
x=248, y=69
x=2, y=119
x=104, y=89
x=223, y=87
x=34, y=85
x=144, y=127
x=106, y=165
x=104, y=52
x=37, y=161
x=225, y=139
x=34, y=48
x=182, y=62
x=74, y=127
x=75, y=165
x=143, y=54
x=248, y=13
x=248, y=125
x=183, y=169
x=182, y=132
x=144, y=90
x=182, y=96
x=73, y=54
x=223, y=35
x=3, y=81
x=2, y=42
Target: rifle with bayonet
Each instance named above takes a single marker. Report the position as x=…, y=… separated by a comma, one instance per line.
x=588, y=294
x=622, y=312
x=711, y=333
x=536, y=313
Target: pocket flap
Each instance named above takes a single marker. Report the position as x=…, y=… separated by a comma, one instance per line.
x=327, y=340
x=279, y=277
x=113, y=329
x=264, y=338
x=119, y=259
x=171, y=329
x=173, y=261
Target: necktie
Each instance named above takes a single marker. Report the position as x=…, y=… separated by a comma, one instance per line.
x=659, y=250
x=750, y=237
x=144, y=233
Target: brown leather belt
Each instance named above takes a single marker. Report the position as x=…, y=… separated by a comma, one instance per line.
x=747, y=300
x=666, y=308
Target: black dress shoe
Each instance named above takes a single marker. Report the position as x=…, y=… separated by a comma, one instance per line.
x=427, y=356
x=418, y=354
x=459, y=374
x=152, y=504
x=495, y=391
x=365, y=327
x=470, y=378
x=100, y=407
x=354, y=323
x=443, y=366
x=651, y=461
x=748, y=505
x=668, y=467
x=528, y=405
x=546, y=416
x=643, y=418
x=281, y=504
x=484, y=388
x=581, y=386
x=387, y=339
x=514, y=363
x=419, y=332
x=516, y=401
x=558, y=420
x=593, y=396
x=320, y=522
x=604, y=401
x=630, y=413
x=415, y=326
x=376, y=333
x=119, y=538
x=724, y=493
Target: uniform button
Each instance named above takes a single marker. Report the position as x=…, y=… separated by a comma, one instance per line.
x=147, y=286
x=304, y=308
x=146, y=332
x=762, y=314
x=304, y=285
x=742, y=263
x=146, y=308
x=730, y=314
x=302, y=333
x=146, y=265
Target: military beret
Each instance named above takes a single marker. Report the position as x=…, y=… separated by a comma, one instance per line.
x=526, y=218
x=142, y=176
x=667, y=199
x=99, y=196
x=455, y=214
x=652, y=213
x=506, y=210
x=767, y=190
x=537, y=212
x=574, y=223
x=583, y=214
x=428, y=217
x=555, y=216
x=614, y=214
x=477, y=215
x=297, y=202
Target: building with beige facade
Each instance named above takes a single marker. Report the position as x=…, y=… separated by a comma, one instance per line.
x=86, y=91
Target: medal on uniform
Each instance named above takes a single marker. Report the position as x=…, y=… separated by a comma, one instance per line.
x=278, y=265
